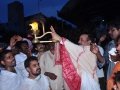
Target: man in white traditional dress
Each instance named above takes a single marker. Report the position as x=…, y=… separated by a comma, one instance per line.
x=9, y=77
x=84, y=60
x=35, y=80
x=47, y=63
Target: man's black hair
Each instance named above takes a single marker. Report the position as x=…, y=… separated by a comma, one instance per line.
x=19, y=43
x=2, y=56
x=3, y=53
x=114, y=23
x=28, y=60
x=90, y=36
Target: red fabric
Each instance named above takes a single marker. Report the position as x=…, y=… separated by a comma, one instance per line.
x=57, y=54
x=70, y=74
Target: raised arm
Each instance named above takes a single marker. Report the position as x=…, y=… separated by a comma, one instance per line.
x=73, y=49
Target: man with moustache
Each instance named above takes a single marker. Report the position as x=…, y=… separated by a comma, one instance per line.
x=80, y=61
x=35, y=80
x=48, y=64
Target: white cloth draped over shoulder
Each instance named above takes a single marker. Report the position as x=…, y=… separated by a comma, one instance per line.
x=85, y=63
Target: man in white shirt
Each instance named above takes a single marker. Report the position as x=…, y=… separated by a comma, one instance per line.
x=47, y=63
x=9, y=77
x=35, y=80
x=84, y=59
x=100, y=64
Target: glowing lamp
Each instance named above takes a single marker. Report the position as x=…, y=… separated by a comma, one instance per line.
x=34, y=26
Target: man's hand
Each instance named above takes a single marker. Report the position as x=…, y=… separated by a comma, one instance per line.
x=18, y=38
x=52, y=76
x=94, y=48
x=55, y=36
x=15, y=39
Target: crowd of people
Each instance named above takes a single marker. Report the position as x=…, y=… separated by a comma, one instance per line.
x=62, y=65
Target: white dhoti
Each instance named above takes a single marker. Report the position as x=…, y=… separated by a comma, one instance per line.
x=88, y=83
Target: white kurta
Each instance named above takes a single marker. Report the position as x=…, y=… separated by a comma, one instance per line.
x=85, y=63
x=9, y=80
x=47, y=64
x=20, y=58
x=39, y=83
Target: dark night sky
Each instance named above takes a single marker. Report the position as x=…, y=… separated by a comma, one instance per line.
x=47, y=7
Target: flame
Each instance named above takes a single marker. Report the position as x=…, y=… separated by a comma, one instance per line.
x=34, y=26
